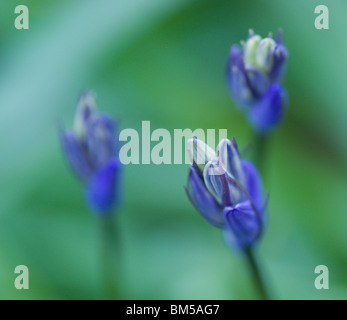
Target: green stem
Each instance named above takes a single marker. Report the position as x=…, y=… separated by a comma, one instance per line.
x=260, y=146
x=257, y=276
x=110, y=258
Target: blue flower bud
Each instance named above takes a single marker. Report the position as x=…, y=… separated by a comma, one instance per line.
x=229, y=194
x=91, y=152
x=252, y=70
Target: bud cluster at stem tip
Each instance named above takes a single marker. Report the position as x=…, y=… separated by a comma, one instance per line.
x=254, y=73
x=227, y=191
x=90, y=150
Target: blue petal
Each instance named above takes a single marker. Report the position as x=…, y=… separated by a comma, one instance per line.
x=235, y=56
x=101, y=139
x=268, y=112
x=219, y=183
x=279, y=64
x=102, y=192
x=243, y=223
x=77, y=155
x=229, y=157
x=237, y=80
x=246, y=84
x=202, y=200
x=254, y=185
x=257, y=81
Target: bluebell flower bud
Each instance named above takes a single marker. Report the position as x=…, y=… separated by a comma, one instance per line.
x=229, y=194
x=251, y=71
x=90, y=150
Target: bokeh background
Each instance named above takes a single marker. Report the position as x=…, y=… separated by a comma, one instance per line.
x=164, y=61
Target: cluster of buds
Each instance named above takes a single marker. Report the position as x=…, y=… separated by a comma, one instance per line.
x=91, y=152
x=227, y=191
x=254, y=73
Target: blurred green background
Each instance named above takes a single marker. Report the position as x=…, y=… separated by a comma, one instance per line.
x=164, y=61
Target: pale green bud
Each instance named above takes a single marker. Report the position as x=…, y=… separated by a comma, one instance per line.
x=250, y=50
x=265, y=54
x=259, y=53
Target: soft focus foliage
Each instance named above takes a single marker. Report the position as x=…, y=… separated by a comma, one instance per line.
x=164, y=61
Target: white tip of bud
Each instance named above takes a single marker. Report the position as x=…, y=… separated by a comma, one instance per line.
x=265, y=54
x=85, y=107
x=199, y=152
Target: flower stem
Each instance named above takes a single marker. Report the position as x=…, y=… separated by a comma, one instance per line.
x=110, y=258
x=257, y=276
x=260, y=146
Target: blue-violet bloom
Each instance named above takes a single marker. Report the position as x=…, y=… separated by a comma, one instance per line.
x=227, y=191
x=91, y=152
x=254, y=74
